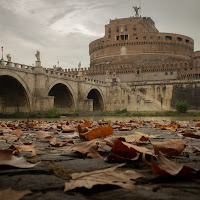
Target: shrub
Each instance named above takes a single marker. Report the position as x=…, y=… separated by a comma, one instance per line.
x=123, y=111
x=182, y=106
x=53, y=112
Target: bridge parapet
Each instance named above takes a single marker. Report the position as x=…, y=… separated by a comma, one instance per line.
x=96, y=82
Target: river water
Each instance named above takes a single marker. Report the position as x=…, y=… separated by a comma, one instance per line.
x=113, y=118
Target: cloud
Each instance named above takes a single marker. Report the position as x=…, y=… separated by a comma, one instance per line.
x=63, y=29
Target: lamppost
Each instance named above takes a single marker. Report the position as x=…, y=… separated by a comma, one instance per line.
x=2, y=53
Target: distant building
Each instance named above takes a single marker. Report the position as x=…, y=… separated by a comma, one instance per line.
x=135, y=50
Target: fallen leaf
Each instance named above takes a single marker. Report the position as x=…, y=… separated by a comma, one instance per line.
x=109, y=176
x=191, y=134
x=89, y=148
x=10, y=194
x=56, y=143
x=19, y=148
x=123, y=128
x=168, y=167
x=42, y=134
x=8, y=159
x=122, y=151
x=99, y=132
x=68, y=129
x=169, y=148
x=195, y=149
x=85, y=124
x=18, y=133
x=9, y=138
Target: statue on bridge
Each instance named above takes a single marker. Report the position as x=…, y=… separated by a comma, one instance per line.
x=37, y=55
x=79, y=66
x=8, y=57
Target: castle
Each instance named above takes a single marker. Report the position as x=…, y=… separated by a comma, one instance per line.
x=136, y=51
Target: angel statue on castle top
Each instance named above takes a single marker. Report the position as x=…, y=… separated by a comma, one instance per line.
x=136, y=9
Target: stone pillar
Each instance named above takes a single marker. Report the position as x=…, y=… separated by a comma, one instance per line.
x=38, y=63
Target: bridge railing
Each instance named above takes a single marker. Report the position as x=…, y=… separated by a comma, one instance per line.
x=17, y=65
x=62, y=73
x=51, y=72
x=91, y=80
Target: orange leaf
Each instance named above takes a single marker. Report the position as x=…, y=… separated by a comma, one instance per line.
x=99, y=132
x=85, y=124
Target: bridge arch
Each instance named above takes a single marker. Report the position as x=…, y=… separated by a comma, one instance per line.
x=96, y=95
x=15, y=94
x=64, y=96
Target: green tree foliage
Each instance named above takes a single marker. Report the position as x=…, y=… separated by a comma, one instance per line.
x=182, y=106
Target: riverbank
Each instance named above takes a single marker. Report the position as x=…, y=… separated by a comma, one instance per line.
x=150, y=113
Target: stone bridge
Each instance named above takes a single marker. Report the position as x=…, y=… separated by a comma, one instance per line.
x=31, y=89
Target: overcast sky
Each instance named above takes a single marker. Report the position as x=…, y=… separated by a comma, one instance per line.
x=62, y=29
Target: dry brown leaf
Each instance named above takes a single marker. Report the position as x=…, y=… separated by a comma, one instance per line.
x=168, y=167
x=191, y=134
x=56, y=143
x=90, y=148
x=170, y=148
x=42, y=134
x=122, y=151
x=18, y=133
x=8, y=159
x=99, y=132
x=19, y=148
x=68, y=129
x=109, y=176
x=195, y=149
x=10, y=194
x=9, y=138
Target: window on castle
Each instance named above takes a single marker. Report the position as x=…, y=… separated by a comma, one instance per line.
x=166, y=73
x=179, y=39
x=134, y=28
x=117, y=37
x=171, y=73
x=159, y=37
x=138, y=71
x=136, y=38
x=134, y=33
x=144, y=37
x=109, y=36
x=126, y=28
x=109, y=30
x=122, y=37
x=126, y=37
x=117, y=30
x=187, y=41
x=168, y=38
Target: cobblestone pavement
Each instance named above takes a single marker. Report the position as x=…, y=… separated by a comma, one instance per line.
x=46, y=180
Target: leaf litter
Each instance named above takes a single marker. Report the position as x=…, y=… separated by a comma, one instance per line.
x=89, y=138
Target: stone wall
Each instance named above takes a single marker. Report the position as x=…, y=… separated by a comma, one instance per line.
x=165, y=94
